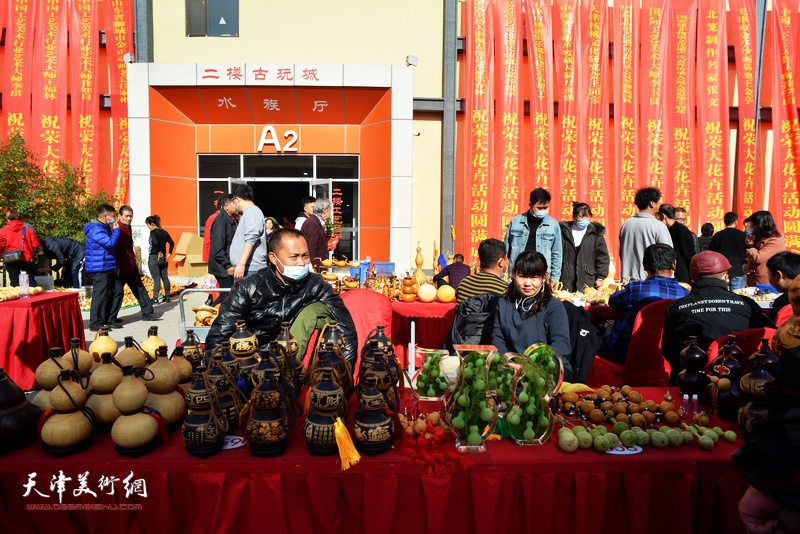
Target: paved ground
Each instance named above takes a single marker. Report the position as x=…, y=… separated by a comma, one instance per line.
x=168, y=325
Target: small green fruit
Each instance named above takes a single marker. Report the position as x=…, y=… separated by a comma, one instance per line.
x=688, y=437
x=713, y=435
x=564, y=430
x=601, y=444
x=585, y=440
x=705, y=442
x=718, y=430
x=620, y=427
x=613, y=440
x=568, y=442
x=642, y=439
x=628, y=438
x=729, y=436
x=659, y=440
x=675, y=438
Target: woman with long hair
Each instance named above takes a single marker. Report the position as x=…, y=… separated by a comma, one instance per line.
x=762, y=241
x=584, y=251
x=530, y=313
x=706, y=235
x=158, y=258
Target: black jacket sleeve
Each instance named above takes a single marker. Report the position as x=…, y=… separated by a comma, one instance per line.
x=220, y=241
x=601, y=260
x=170, y=241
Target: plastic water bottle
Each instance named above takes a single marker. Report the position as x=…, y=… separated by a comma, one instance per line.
x=24, y=291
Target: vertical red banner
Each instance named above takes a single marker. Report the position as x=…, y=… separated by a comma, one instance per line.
x=18, y=56
x=594, y=184
x=566, y=26
x=750, y=191
x=785, y=126
x=119, y=28
x=680, y=166
x=479, y=126
x=83, y=88
x=49, y=102
x=509, y=113
x=626, y=103
x=714, y=181
x=539, y=31
x=651, y=87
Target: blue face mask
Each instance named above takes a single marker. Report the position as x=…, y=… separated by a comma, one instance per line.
x=582, y=223
x=112, y=221
x=295, y=272
x=539, y=214
x=749, y=232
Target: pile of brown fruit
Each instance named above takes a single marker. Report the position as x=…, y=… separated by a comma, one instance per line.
x=624, y=406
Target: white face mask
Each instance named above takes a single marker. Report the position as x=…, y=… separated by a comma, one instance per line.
x=294, y=272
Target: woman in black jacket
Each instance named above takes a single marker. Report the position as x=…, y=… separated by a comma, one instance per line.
x=157, y=260
x=585, y=255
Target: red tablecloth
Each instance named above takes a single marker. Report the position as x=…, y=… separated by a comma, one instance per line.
x=433, y=323
x=30, y=327
x=512, y=489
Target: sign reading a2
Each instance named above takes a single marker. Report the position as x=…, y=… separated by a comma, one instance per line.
x=270, y=137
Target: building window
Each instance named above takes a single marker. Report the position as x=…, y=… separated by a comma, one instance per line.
x=216, y=18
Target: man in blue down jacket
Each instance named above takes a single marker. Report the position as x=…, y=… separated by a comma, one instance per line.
x=102, y=235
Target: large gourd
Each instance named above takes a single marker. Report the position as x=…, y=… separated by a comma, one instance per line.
x=18, y=417
x=131, y=355
x=47, y=377
x=163, y=395
x=80, y=359
x=103, y=382
x=151, y=344
x=136, y=430
x=68, y=430
x=103, y=343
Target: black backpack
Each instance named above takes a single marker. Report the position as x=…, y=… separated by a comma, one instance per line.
x=473, y=322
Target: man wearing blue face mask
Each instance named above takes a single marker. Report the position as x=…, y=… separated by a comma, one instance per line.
x=535, y=230
x=102, y=235
x=284, y=291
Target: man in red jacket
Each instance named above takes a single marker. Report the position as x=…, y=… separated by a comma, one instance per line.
x=12, y=233
x=128, y=272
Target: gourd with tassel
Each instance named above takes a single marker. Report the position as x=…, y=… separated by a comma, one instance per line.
x=192, y=348
x=102, y=343
x=136, y=430
x=67, y=427
x=131, y=354
x=268, y=428
x=373, y=427
x=47, y=377
x=80, y=359
x=231, y=400
x=163, y=395
x=103, y=382
x=243, y=346
x=326, y=398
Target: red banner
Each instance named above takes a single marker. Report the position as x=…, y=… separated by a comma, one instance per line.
x=49, y=103
x=479, y=125
x=785, y=126
x=540, y=51
x=714, y=183
x=83, y=88
x=652, y=75
x=749, y=197
x=118, y=43
x=565, y=29
x=509, y=112
x=626, y=102
x=17, y=67
x=595, y=186
x=680, y=166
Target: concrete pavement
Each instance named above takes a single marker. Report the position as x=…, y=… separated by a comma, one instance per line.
x=168, y=325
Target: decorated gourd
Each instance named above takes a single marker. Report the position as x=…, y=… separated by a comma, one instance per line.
x=373, y=427
x=204, y=428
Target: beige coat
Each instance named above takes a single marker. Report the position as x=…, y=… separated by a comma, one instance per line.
x=757, y=259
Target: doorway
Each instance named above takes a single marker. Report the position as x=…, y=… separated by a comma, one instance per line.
x=279, y=199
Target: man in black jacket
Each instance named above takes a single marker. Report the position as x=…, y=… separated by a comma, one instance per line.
x=682, y=242
x=68, y=254
x=730, y=243
x=222, y=230
x=709, y=312
x=284, y=291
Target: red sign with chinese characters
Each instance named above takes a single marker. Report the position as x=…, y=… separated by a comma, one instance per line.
x=508, y=114
x=786, y=152
x=595, y=186
x=83, y=88
x=479, y=223
x=118, y=43
x=680, y=166
x=565, y=24
x=49, y=102
x=714, y=179
x=626, y=104
x=538, y=23
x=17, y=67
x=751, y=190
x=651, y=91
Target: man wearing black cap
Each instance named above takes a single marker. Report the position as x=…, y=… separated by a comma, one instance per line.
x=709, y=312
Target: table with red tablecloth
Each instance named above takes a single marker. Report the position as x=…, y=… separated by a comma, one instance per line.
x=30, y=327
x=511, y=489
x=423, y=324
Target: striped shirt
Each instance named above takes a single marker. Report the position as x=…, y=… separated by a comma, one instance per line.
x=478, y=283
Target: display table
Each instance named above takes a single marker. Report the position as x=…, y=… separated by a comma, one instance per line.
x=419, y=323
x=511, y=489
x=30, y=327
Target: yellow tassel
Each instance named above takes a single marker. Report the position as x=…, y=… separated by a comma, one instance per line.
x=307, y=402
x=347, y=451
x=244, y=415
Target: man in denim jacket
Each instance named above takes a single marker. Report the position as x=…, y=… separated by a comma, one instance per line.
x=546, y=237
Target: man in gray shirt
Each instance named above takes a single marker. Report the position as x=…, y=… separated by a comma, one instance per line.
x=248, y=251
x=639, y=232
